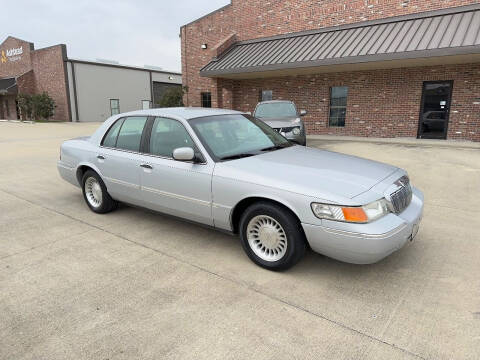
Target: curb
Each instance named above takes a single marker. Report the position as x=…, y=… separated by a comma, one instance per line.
x=398, y=141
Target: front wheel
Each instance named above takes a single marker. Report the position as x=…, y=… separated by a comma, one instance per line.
x=271, y=236
x=95, y=193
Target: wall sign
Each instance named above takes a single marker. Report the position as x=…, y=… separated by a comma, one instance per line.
x=12, y=55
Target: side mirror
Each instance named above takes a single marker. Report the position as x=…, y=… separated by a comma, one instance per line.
x=184, y=154
x=303, y=112
x=248, y=113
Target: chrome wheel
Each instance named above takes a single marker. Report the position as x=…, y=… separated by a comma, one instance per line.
x=267, y=238
x=93, y=192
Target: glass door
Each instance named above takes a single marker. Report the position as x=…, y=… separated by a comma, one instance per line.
x=436, y=97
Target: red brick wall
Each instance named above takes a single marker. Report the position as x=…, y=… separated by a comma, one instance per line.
x=18, y=67
x=380, y=103
x=49, y=71
x=38, y=71
x=255, y=18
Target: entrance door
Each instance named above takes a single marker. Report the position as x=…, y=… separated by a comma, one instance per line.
x=435, y=109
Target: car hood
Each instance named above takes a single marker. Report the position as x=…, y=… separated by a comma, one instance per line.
x=308, y=171
x=281, y=122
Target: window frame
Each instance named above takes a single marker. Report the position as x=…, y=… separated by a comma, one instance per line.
x=330, y=107
x=142, y=138
x=111, y=108
x=145, y=139
x=209, y=99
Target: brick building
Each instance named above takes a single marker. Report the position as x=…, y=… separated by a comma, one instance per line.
x=386, y=68
x=82, y=90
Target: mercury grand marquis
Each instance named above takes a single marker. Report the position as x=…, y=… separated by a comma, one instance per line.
x=231, y=171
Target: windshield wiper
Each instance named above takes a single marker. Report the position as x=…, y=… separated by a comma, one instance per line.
x=275, y=147
x=236, y=156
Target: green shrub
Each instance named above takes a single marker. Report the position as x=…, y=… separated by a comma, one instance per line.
x=173, y=97
x=36, y=107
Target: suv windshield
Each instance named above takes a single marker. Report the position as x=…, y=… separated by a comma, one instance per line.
x=275, y=110
x=228, y=137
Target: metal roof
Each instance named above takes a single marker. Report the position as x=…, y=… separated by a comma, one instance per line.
x=437, y=33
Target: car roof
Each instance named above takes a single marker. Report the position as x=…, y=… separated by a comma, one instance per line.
x=274, y=101
x=186, y=113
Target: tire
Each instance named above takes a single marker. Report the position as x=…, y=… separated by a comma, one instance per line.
x=95, y=193
x=271, y=236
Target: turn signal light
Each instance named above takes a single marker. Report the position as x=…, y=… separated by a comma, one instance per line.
x=354, y=214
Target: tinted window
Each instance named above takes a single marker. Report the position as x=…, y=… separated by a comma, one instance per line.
x=131, y=133
x=266, y=95
x=338, y=105
x=167, y=135
x=206, y=99
x=110, y=139
x=275, y=110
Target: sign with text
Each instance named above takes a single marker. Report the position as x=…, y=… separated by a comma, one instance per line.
x=13, y=54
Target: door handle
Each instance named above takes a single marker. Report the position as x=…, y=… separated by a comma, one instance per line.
x=146, y=166
x=100, y=157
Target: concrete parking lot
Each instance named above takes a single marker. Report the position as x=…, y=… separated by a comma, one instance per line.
x=138, y=285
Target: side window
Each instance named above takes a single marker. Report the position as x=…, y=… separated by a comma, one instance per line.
x=110, y=139
x=114, y=106
x=167, y=135
x=130, y=134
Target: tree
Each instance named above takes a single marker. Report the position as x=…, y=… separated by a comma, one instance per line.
x=36, y=107
x=173, y=97
x=43, y=106
x=25, y=105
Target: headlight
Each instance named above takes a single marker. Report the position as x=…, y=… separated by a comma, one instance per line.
x=296, y=131
x=358, y=214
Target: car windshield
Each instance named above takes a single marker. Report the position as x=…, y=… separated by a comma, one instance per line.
x=275, y=110
x=229, y=137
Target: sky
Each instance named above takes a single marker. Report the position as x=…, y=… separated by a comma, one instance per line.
x=142, y=32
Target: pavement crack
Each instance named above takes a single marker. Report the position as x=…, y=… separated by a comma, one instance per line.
x=225, y=278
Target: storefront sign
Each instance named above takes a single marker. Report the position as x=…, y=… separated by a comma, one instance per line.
x=13, y=54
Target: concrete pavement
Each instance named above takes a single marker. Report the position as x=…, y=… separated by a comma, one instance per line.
x=135, y=284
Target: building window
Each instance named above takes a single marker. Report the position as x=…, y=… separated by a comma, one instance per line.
x=266, y=95
x=206, y=99
x=114, y=106
x=338, y=106
x=145, y=104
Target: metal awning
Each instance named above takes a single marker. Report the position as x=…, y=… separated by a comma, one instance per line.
x=8, y=86
x=447, y=32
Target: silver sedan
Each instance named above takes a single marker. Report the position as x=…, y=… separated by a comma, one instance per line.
x=233, y=172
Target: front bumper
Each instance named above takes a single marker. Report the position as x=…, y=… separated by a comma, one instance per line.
x=367, y=243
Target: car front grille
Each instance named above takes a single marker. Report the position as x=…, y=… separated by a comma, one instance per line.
x=402, y=197
x=285, y=129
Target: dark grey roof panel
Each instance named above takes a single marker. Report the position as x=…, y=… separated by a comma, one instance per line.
x=443, y=32
x=7, y=83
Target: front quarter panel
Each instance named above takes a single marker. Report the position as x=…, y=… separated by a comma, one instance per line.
x=228, y=191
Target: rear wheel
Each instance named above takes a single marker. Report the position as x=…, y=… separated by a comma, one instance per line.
x=271, y=236
x=95, y=193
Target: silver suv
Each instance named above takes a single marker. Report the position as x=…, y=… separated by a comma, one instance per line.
x=283, y=116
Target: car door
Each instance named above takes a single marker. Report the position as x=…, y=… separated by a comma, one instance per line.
x=175, y=187
x=119, y=161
